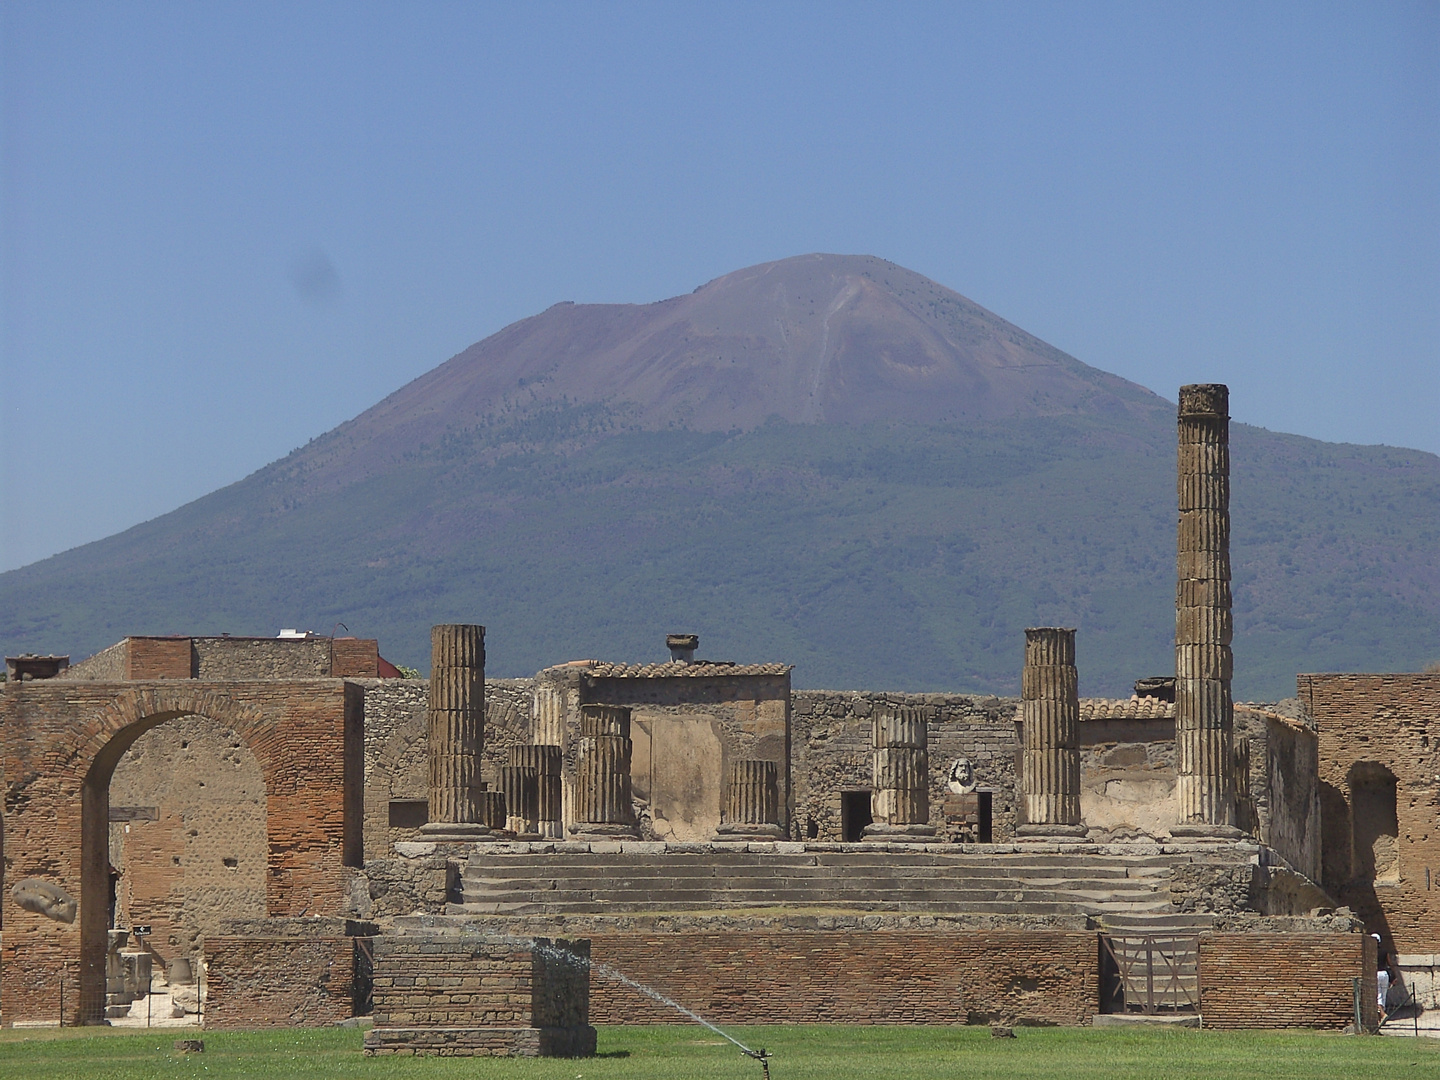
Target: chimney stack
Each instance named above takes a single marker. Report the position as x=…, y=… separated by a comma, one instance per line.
x=682, y=647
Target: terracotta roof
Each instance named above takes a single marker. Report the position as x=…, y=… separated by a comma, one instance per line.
x=676, y=669
x=1133, y=708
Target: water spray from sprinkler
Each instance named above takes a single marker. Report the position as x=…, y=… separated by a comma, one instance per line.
x=565, y=956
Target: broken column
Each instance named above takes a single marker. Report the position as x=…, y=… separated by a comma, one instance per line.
x=901, y=769
x=541, y=789
x=752, y=802
x=547, y=761
x=456, y=733
x=1204, y=713
x=602, y=803
x=518, y=782
x=1050, y=714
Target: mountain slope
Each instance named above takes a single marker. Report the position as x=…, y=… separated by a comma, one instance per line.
x=899, y=541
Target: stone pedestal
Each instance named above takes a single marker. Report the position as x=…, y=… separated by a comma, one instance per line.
x=456, y=993
x=752, y=802
x=1050, y=711
x=602, y=802
x=456, y=733
x=900, y=766
x=1204, y=713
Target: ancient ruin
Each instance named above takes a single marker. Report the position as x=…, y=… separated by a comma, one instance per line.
x=1204, y=716
x=286, y=831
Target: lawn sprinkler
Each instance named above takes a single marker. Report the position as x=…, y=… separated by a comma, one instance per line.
x=762, y=1056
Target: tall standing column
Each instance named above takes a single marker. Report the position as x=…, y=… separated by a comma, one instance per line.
x=1204, y=712
x=900, y=764
x=1050, y=714
x=456, y=732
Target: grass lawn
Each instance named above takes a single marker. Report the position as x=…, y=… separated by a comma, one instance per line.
x=676, y=1053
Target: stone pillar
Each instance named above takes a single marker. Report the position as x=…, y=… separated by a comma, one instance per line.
x=456, y=732
x=901, y=767
x=1204, y=713
x=1050, y=714
x=547, y=763
x=752, y=802
x=549, y=710
x=519, y=783
x=602, y=774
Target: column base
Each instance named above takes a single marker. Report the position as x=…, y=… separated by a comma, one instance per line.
x=551, y=830
x=749, y=830
x=1199, y=831
x=458, y=832
x=878, y=833
x=1051, y=834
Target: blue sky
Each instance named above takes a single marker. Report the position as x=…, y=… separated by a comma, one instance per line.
x=225, y=228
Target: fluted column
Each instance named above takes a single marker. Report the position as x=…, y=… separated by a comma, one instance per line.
x=519, y=784
x=1204, y=713
x=602, y=803
x=752, y=801
x=900, y=764
x=547, y=762
x=456, y=731
x=1050, y=757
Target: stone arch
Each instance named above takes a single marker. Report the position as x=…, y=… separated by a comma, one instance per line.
x=60, y=741
x=113, y=732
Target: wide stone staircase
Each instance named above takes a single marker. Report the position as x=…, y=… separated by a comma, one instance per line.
x=1129, y=891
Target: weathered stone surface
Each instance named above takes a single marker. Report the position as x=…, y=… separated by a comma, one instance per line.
x=457, y=722
x=1204, y=715
x=45, y=898
x=1050, y=711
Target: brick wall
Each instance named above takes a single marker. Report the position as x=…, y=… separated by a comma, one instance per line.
x=1375, y=726
x=445, y=979
x=354, y=658
x=255, y=982
x=831, y=744
x=159, y=658
x=1262, y=980
x=859, y=977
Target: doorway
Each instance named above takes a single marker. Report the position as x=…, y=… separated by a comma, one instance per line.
x=855, y=814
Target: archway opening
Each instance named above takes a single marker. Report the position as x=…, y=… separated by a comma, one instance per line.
x=188, y=844
x=1373, y=798
x=179, y=757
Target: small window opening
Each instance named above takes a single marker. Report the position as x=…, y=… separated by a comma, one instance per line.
x=812, y=829
x=409, y=813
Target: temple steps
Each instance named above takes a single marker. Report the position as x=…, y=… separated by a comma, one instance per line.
x=874, y=881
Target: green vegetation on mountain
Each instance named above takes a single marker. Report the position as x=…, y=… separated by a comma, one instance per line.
x=886, y=555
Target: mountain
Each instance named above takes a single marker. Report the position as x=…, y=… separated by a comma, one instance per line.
x=829, y=460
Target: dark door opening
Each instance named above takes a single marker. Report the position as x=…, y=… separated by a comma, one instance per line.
x=854, y=815
x=984, y=830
